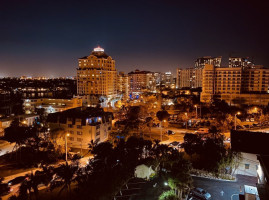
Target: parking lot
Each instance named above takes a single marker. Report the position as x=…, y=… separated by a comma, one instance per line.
x=139, y=189
x=222, y=190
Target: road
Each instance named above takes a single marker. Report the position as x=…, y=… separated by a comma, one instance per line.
x=178, y=136
x=5, y=147
x=229, y=188
x=83, y=161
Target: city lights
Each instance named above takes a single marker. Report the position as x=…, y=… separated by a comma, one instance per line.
x=175, y=107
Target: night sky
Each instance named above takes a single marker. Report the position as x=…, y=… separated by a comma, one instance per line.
x=39, y=37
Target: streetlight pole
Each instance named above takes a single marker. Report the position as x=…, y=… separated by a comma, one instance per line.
x=238, y=113
x=186, y=120
x=66, y=146
x=200, y=110
x=161, y=131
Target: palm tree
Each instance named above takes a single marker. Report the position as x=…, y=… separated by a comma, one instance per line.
x=65, y=175
x=179, y=178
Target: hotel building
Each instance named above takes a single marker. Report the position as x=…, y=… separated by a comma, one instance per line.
x=236, y=85
x=96, y=74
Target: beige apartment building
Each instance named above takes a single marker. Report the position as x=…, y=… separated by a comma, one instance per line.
x=50, y=105
x=122, y=84
x=96, y=74
x=236, y=85
x=81, y=125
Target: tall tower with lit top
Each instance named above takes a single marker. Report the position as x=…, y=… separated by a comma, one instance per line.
x=96, y=74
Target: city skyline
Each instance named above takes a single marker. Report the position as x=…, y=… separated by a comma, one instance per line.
x=46, y=39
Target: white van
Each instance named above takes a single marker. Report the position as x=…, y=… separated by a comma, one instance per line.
x=202, y=131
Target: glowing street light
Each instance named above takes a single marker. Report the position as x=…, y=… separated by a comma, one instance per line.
x=186, y=120
x=196, y=107
x=238, y=113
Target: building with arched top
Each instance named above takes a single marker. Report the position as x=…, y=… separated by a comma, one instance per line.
x=96, y=74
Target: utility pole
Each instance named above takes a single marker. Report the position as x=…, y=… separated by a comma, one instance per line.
x=66, y=146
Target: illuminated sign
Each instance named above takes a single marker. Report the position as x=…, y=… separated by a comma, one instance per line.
x=98, y=49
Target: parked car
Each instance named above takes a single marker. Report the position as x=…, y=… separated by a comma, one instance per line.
x=15, y=183
x=200, y=193
x=169, y=132
x=175, y=144
x=16, y=180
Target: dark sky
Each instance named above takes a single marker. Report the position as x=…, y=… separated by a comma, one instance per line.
x=45, y=37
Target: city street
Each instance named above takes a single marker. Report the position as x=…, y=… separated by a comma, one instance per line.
x=5, y=147
x=178, y=136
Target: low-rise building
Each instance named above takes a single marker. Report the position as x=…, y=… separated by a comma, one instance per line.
x=83, y=125
x=51, y=105
x=254, y=144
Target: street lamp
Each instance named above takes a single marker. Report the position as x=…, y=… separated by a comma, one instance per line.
x=186, y=120
x=238, y=113
x=196, y=107
x=67, y=135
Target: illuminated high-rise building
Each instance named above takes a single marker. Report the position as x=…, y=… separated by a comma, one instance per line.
x=240, y=62
x=201, y=62
x=96, y=74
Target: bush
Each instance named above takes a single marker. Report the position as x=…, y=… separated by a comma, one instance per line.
x=169, y=195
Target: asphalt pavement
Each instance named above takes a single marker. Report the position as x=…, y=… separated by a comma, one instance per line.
x=5, y=147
